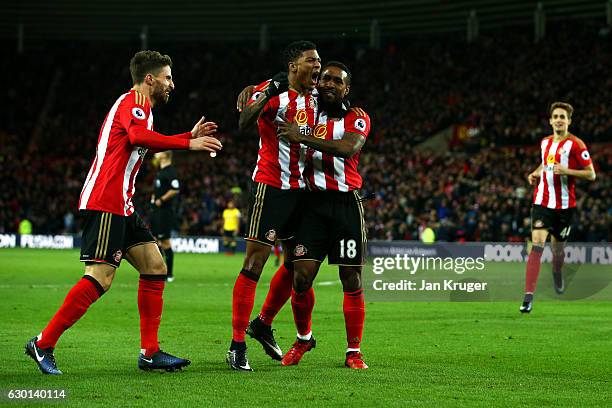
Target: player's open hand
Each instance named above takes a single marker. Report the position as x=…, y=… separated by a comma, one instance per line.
x=290, y=132
x=205, y=143
x=532, y=178
x=559, y=169
x=244, y=97
x=203, y=128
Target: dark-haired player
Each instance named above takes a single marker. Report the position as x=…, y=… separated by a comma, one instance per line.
x=333, y=222
x=277, y=178
x=564, y=159
x=112, y=229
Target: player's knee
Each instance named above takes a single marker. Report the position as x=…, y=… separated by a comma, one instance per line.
x=255, y=261
x=104, y=278
x=351, y=282
x=301, y=280
x=350, y=278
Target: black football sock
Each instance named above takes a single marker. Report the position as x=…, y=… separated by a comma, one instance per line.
x=169, y=260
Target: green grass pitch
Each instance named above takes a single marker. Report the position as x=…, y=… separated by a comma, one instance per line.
x=420, y=354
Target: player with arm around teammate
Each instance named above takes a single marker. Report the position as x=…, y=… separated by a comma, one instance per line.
x=332, y=222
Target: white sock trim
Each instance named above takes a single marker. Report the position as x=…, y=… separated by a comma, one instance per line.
x=348, y=350
x=305, y=337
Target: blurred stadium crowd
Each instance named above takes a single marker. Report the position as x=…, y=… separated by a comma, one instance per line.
x=500, y=87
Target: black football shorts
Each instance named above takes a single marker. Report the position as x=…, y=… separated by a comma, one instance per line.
x=557, y=222
x=273, y=213
x=107, y=237
x=332, y=225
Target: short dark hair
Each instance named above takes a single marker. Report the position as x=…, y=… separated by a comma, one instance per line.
x=145, y=62
x=562, y=105
x=294, y=51
x=343, y=67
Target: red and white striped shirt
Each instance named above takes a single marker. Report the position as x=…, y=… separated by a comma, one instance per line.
x=555, y=191
x=327, y=172
x=279, y=163
x=109, y=186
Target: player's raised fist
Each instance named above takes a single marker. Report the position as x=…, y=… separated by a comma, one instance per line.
x=278, y=84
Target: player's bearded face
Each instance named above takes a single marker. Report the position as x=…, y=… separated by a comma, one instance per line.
x=333, y=86
x=162, y=86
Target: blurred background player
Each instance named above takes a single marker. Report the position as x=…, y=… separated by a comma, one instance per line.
x=332, y=223
x=163, y=218
x=277, y=250
x=113, y=229
x=277, y=178
x=564, y=159
x=231, y=227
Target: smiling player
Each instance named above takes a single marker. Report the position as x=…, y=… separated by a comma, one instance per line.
x=564, y=159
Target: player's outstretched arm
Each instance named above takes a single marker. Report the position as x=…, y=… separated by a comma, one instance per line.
x=141, y=136
x=347, y=146
x=203, y=128
x=205, y=143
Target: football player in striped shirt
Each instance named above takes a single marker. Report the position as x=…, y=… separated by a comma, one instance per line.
x=112, y=228
x=334, y=225
x=565, y=158
x=277, y=178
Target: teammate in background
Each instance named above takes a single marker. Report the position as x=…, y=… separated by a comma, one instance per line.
x=277, y=178
x=163, y=219
x=231, y=227
x=564, y=159
x=276, y=250
x=112, y=228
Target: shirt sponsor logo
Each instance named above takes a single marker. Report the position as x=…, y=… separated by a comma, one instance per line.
x=320, y=131
x=301, y=117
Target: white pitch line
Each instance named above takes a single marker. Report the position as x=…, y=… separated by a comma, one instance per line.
x=328, y=283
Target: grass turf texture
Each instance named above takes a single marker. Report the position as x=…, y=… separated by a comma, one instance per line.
x=420, y=354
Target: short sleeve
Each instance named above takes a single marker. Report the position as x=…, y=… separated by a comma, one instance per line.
x=134, y=109
x=582, y=155
x=357, y=121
